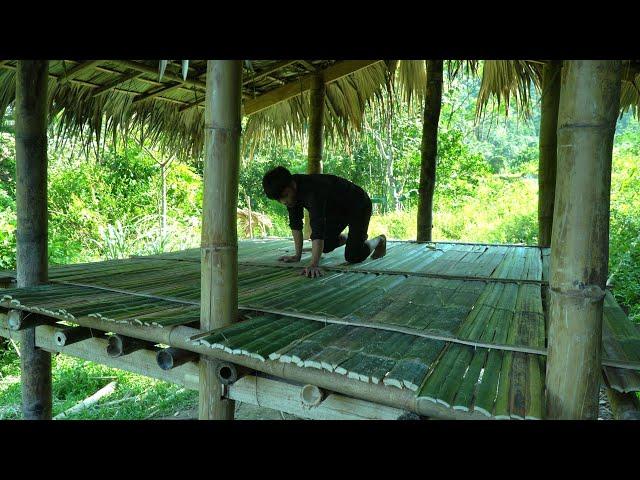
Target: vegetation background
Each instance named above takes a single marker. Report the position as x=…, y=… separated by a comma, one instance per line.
x=106, y=202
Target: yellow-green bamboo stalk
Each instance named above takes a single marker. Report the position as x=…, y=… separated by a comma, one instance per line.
x=589, y=103
x=219, y=247
x=550, y=101
x=31, y=232
x=429, y=148
x=316, y=134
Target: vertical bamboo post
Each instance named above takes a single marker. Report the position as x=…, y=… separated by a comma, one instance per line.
x=163, y=202
x=429, y=148
x=31, y=232
x=316, y=134
x=250, y=219
x=219, y=251
x=548, y=149
x=589, y=105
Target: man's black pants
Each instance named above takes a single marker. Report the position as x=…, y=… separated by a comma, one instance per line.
x=356, y=250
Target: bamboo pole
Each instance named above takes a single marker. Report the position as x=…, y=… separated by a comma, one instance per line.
x=219, y=251
x=121, y=345
x=31, y=232
x=316, y=135
x=429, y=148
x=589, y=104
x=69, y=336
x=169, y=358
x=550, y=102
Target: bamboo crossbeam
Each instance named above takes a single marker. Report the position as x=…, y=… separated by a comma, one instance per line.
x=429, y=334
x=268, y=71
x=142, y=362
x=401, y=272
x=251, y=389
x=179, y=337
x=297, y=87
x=155, y=92
x=266, y=392
x=18, y=320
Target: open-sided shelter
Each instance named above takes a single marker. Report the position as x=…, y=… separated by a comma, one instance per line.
x=484, y=348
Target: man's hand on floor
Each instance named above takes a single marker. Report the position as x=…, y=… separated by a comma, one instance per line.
x=289, y=258
x=311, y=271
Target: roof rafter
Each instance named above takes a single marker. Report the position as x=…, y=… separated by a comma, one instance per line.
x=75, y=71
x=168, y=75
x=292, y=89
x=269, y=71
x=116, y=82
x=156, y=92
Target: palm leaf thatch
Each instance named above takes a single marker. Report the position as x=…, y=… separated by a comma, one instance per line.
x=630, y=93
x=345, y=102
x=504, y=80
x=116, y=98
x=412, y=77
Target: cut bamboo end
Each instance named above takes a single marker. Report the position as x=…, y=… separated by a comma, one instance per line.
x=226, y=373
x=119, y=345
x=71, y=335
x=311, y=395
x=169, y=358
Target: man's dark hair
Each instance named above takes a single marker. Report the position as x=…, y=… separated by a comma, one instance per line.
x=275, y=181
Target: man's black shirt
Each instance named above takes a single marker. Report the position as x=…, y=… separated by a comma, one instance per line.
x=326, y=196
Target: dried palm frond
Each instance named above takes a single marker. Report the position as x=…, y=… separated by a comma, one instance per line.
x=503, y=80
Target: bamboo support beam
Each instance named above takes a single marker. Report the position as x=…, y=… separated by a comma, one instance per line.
x=18, y=320
x=31, y=230
x=251, y=389
x=589, y=106
x=267, y=72
x=94, y=349
x=179, y=337
x=219, y=244
x=266, y=392
x=297, y=87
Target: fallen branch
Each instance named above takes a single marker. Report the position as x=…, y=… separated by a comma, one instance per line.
x=87, y=402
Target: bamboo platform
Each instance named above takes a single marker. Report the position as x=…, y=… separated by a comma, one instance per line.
x=458, y=328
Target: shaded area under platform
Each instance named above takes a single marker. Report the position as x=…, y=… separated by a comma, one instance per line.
x=459, y=325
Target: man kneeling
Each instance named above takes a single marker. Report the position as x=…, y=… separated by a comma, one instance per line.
x=333, y=204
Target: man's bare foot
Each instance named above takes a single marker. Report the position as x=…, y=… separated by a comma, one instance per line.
x=381, y=249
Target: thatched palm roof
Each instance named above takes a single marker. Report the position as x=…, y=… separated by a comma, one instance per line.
x=98, y=98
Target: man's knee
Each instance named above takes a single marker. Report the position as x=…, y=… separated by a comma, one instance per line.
x=357, y=255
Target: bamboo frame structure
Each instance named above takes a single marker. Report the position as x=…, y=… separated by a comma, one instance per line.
x=219, y=255
x=589, y=100
x=429, y=148
x=550, y=101
x=31, y=232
